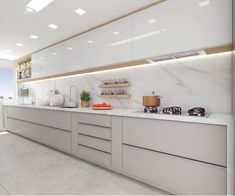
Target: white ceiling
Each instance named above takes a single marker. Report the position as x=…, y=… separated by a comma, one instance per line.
x=16, y=25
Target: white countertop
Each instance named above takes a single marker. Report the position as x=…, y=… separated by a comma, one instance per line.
x=214, y=118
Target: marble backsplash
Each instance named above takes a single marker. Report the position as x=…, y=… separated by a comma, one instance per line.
x=203, y=81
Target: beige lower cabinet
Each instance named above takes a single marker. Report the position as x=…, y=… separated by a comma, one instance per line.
x=94, y=138
x=179, y=157
x=95, y=156
x=56, y=138
x=26, y=129
x=202, y=142
x=174, y=174
x=96, y=143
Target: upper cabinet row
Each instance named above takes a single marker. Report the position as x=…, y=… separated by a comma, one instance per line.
x=166, y=28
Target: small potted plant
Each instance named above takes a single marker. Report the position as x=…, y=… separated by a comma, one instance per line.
x=85, y=97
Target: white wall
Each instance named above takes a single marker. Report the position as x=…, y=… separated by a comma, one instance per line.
x=198, y=81
x=9, y=65
x=233, y=83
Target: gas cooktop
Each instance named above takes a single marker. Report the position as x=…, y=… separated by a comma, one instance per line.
x=175, y=110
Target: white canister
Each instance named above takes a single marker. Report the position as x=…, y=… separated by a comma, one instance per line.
x=57, y=99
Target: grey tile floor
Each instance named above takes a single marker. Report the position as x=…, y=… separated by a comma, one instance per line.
x=30, y=168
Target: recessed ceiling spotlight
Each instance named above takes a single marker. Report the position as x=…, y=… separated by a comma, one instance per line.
x=53, y=26
x=80, y=11
x=204, y=3
x=70, y=48
x=20, y=44
x=37, y=5
x=116, y=32
x=8, y=50
x=152, y=20
x=54, y=53
x=90, y=42
x=34, y=36
x=163, y=30
x=28, y=9
x=41, y=57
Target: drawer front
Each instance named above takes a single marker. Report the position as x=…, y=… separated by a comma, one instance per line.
x=56, y=138
x=28, y=130
x=174, y=174
x=95, y=131
x=95, y=119
x=192, y=140
x=26, y=114
x=95, y=143
x=57, y=119
x=94, y=156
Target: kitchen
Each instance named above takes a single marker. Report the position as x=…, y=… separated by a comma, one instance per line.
x=136, y=97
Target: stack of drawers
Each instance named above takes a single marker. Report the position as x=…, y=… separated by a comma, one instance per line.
x=94, y=138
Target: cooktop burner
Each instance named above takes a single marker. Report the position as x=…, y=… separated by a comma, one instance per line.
x=172, y=110
x=198, y=111
x=150, y=109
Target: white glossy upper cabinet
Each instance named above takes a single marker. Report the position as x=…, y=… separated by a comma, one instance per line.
x=53, y=60
x=185, y=25
x=102, y=46
x=99, y=47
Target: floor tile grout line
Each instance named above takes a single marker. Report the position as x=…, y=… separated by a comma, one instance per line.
x=5, y=189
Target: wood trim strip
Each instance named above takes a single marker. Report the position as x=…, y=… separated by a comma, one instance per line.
x=24, y=59
x=100, y=25
x=89, y=70
x=220, y=49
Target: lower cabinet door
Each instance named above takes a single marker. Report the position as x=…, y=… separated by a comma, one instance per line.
x=96, y=143
x=95, y=156
x=56, y=138
x=26, y=129
x=174, y=174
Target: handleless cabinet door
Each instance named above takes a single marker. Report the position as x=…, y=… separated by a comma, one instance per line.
x=109, y=44
x=96, y=143
x=25, y=114
x=95, y=156
x=173, y=26
x=57, y=138
x=23, y=128
x=95, y=131
x=191, y=140
x=95, y=119
x=57, y=119
x=175, y=174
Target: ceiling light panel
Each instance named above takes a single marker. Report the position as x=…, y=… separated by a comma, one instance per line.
x=90, y=42
x=53, y=26
x=152, y=20
x=204, y=3
x=34, y=36
x=38, y=5
x=116, y=32
x=20, y=44
x=80, y=11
